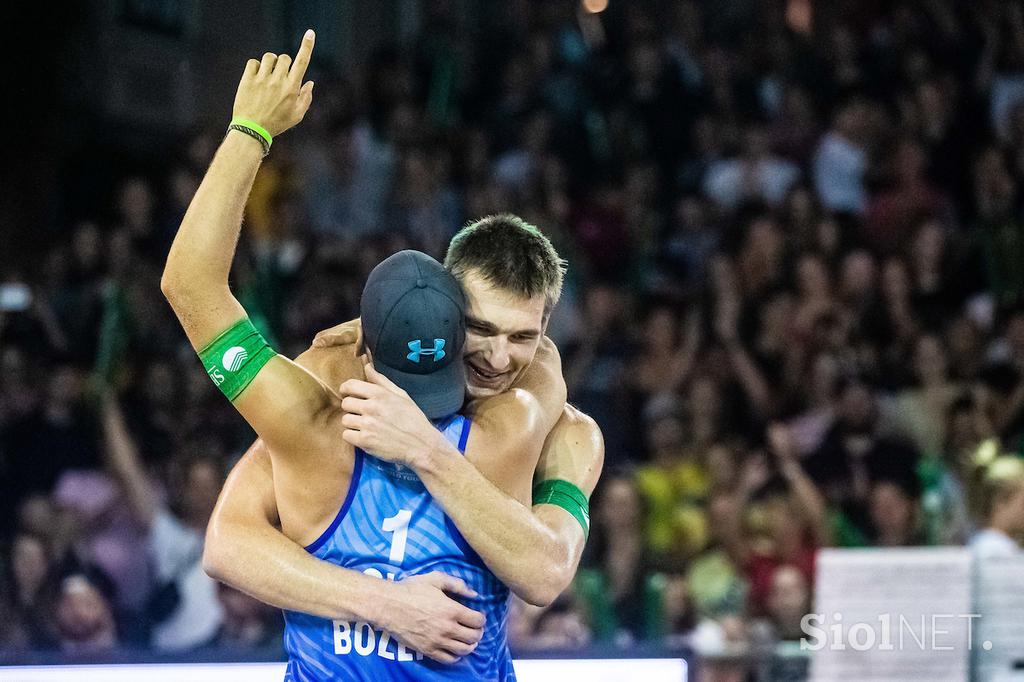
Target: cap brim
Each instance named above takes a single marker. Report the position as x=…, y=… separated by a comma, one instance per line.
x=438, y=394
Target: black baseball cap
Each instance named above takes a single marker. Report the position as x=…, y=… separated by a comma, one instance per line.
x=413, y=318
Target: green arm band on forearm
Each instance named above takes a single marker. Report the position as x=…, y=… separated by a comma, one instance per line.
x=567, y=496
x=233, y=359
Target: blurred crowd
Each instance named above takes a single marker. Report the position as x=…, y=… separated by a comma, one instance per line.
x=795, y=306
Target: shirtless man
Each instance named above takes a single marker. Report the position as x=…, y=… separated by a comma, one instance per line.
x=511, y=278
x=534, y=551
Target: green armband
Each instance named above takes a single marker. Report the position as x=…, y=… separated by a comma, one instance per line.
x=253, y=130
x=233, y=359
x=567, y=496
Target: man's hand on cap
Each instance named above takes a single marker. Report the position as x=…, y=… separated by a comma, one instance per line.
x=381, y=419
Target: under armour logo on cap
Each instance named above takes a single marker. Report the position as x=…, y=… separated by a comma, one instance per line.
x=412, y=307
x=416, y=350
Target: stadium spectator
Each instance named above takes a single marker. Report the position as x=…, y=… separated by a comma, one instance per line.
x=894, y=511
x=31, y=594
x=754, y=176
x=85, y=616
x=787, y=523
x=60, y=426
x=788, y=602
x=248, y=624
x=1001, y=502
x=841, y=162
x=560, y=626
x=183, y=606
x=817, y=223
x=613, y=586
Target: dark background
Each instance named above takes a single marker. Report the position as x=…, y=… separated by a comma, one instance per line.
x=795, y=236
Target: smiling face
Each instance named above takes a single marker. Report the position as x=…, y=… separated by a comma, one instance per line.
x=511, y=276
x=503, y=331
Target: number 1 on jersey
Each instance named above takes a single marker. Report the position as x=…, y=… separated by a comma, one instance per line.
x=399, y=525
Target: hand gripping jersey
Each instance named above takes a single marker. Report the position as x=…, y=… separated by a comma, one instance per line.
x=390, y=527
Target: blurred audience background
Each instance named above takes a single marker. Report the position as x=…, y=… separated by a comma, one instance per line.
x=795, y=306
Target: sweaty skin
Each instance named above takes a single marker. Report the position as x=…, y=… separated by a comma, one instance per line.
x=544, y=543
x=290, y=409
x=245, y=547
x=382, y=419
x=299, y=417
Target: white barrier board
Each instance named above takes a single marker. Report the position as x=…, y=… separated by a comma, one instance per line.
x=893, y=615
x=527, y=670
x=999, y=634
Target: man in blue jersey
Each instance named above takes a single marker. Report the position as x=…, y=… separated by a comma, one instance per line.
x=534, y=551
x=522, y=432
x=413, y=313
x=388, y=525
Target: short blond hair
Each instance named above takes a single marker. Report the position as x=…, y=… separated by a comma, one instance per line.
x=997, y=477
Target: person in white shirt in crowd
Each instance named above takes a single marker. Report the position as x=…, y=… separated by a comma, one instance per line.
x=841, y=162
x=184, y=606
x=1000, y=498
x=757, y=174
x=85, y=615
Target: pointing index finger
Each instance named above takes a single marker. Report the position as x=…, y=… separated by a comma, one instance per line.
x=298, y=70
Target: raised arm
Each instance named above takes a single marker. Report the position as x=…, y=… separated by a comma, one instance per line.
x=289, y=408
x=122, y=458
x=487, y=492
x=271, y=99
x=809, y=499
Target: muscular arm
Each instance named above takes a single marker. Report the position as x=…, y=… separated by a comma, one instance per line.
x=487, y=492
x=533, y=551
x=245, y=549
x=573, y=452
x=507, y=436
x=312, y=474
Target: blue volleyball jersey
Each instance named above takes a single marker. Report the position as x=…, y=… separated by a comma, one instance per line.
x=390, y=527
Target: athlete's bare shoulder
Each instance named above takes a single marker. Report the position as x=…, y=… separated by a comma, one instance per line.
x=579, y=429
x=333, y=365
x=573, y=451
x=575, y=418
x=543, y=379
